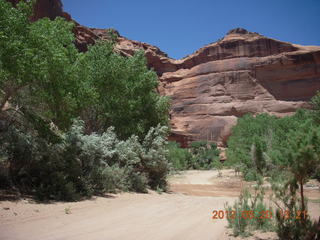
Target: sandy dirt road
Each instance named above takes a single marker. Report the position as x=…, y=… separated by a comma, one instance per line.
x=184, y=214
x=127, y=216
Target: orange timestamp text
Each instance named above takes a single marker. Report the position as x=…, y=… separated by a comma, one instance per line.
x=220, y=214
x=285, y=214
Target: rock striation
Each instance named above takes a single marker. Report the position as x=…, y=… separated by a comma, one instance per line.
x=242, y=73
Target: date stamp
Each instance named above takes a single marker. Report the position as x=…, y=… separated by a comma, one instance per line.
x=285, y=214
x=220, y=214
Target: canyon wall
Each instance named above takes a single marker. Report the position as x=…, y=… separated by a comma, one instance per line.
x=210, y=89
x=242, y=73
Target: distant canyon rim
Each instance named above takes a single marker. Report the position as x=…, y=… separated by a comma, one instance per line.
x=244, y=72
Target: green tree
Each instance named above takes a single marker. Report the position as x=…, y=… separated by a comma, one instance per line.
x=124, y=92
x=249, y=140
x=38, y=64
x=315, y=112
x=259, y=143
x=303, y=152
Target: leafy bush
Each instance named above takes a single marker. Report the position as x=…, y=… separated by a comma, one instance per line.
x=287, y=149
x=292, y=222
x=178, y=157
x=204, y=155
x=259, y=143
x=82, y=165
x=154, y=158
x=250, y=213
x=302, y=154
x=249, y=133
x=200, y=155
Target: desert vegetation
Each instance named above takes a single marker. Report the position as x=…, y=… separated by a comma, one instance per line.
x=75, y=124
x=200, y=155
x=286, y=152
x=282, y=153
x=250, y=212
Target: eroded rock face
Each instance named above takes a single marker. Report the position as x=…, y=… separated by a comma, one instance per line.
x=242, y=73
x=48, y=8
x=210, y=89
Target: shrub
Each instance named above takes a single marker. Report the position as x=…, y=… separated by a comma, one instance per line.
x=259, y=143
x=303, y=153
x=204, y=155
x=82, y=165
x=178, y=157
x=154, y=157
x=200, y=155
x=250, y=213
x=137, y=181
x=249, y=137
x=287, y=149
x=292, y=223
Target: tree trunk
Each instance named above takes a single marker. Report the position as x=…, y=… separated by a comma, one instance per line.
x=303, y=207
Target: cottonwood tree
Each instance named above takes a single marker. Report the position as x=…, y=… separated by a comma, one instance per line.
x=124, y=91
x=37, y=64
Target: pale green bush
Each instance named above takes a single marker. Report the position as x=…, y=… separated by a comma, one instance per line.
x=82, y=165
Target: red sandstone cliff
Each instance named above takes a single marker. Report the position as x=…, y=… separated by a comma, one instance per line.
x=243, y=73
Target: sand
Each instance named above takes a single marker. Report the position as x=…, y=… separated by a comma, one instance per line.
x=184, y=213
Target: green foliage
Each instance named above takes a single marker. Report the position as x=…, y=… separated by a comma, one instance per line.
x=315, y=112
x=303, y=154
x=287, y=149
x=200, y=155
x=178, y=157
x=260, y=144
x=41, y=71
x=45, y=84
x=154, y=160
x=204, y=155
x=124, y=92
x=249, y=133
x=82, y=165
x=303, y=151
x=292, y=223
x=37, y=68
x=250, y=213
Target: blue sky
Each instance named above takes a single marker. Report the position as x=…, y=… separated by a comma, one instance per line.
x=180, y=27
